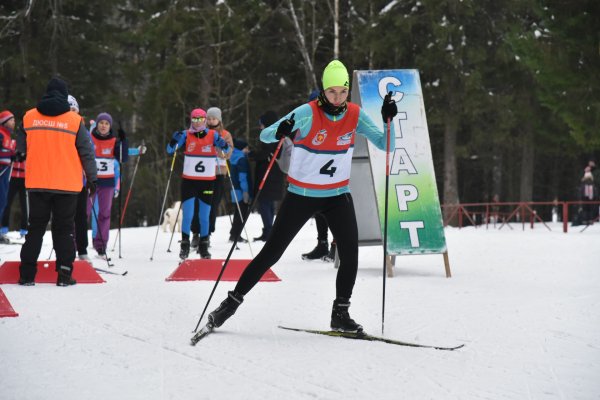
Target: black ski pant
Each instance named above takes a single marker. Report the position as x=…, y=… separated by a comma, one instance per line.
x=81, y=222
x=216, y=200
x=16, y=186
x=217, y=195
x=237, y=225
x=62, y=209
x=321, y=222
x=295, y=210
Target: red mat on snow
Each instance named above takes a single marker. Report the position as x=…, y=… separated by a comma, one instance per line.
x=208, y=270
x=6, y=309
x=83, y=272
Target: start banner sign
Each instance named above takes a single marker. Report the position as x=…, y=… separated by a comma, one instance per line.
x=415, y=223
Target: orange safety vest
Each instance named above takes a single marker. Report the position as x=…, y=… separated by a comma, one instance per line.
x=52, y=158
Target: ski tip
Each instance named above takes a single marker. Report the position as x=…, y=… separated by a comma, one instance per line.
x=208, y=328
x=124, y=273
x=451, y=348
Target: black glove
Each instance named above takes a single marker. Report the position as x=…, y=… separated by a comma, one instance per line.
x=176, y=137
x=91, y=187
x=20, y=157
x=388, y=108
x=285, y=128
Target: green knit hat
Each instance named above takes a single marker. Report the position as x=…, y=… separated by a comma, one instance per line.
x=335, y=74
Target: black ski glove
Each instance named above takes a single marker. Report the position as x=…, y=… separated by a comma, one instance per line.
x=175, y=140
x=122, y=134
x=91, y=187
x=285, y=128
x=388, y=109
x=20, y=157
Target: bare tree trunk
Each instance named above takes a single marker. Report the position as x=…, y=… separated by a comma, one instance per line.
x=450, y=170
x=450, y=167
x=527, y=155
x=56, y=38
x=308, y=66
x=497, y=164
x=336, y=29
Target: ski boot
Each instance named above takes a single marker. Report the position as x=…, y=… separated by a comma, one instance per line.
x=195, y=241
x=185, y=248
x=239, y=239
x=101, y=254
x=262, y=237
x=330, y=257
x=321, y=250
x=226, y=309
x=203, y=248
x=26, y=282
x=64, y=276
x=340, y=318
x=27, y=274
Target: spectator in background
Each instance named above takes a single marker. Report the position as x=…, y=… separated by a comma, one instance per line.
x=272, y=191
x=16, y=187
x=595, y=171
x=81, y=216
x=588, y=191
x=7, y=153
x=242, y=186
x=53, y=182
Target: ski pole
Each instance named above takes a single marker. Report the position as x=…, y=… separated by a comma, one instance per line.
x=120, y=197
x=385, y=219
x=127, y=198
x=164, y=200
x=239, y=210
x=262, y=183
x=173, y=227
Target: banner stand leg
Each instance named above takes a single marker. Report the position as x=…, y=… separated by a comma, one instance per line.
x=390, y=262
x=447, y=264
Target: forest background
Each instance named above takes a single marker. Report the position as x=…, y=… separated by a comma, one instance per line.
x=511, y=87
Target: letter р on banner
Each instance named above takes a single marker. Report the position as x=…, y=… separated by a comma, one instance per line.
x=415, y=223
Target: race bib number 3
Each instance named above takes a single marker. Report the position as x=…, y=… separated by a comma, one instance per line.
x=105, y=167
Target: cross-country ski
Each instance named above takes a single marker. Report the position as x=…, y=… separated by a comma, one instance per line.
x=370, y=338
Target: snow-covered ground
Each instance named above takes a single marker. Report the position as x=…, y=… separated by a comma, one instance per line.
x=525, y=303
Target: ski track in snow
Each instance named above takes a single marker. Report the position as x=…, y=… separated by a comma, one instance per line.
x=524, y=303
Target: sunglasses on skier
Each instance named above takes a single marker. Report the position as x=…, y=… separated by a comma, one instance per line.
x=198, y=119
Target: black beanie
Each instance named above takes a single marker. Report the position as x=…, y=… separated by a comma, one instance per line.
x=268, y=118
x=240, y=144
x=58, y=85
